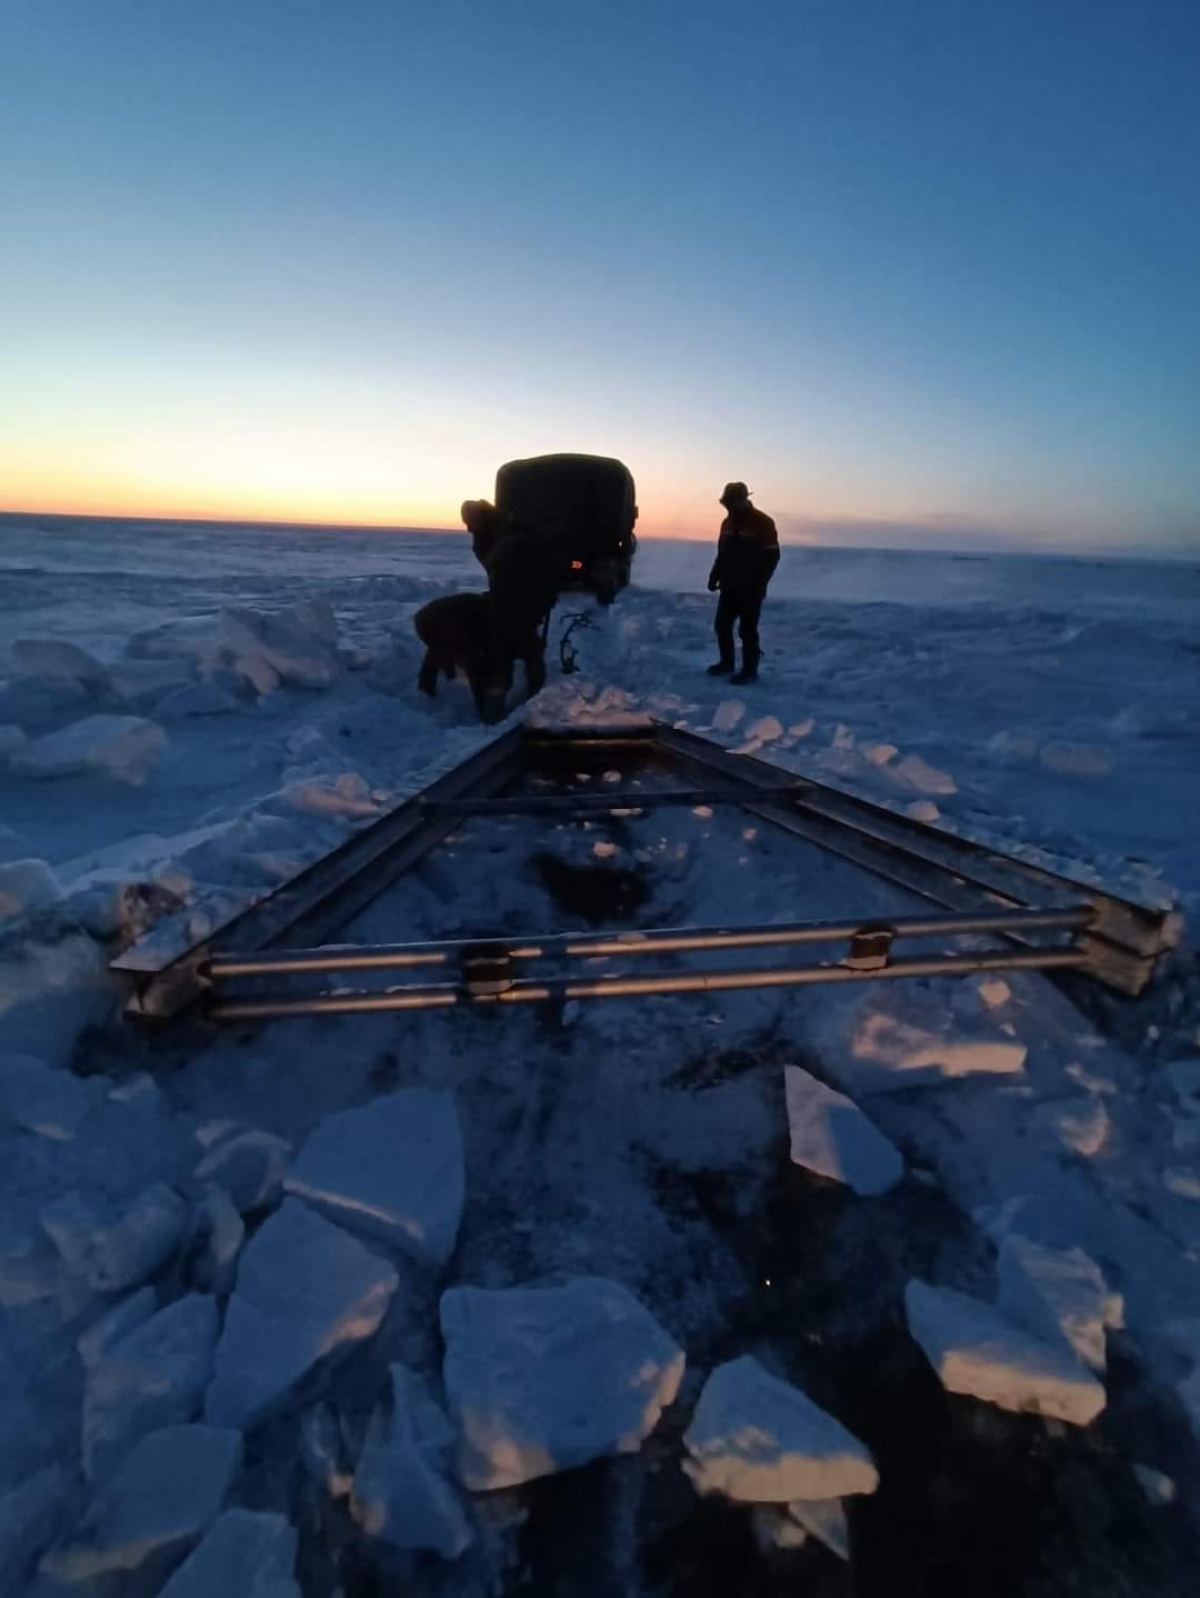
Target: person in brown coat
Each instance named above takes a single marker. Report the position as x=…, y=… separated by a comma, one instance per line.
x=457, y=633
x=747, y=555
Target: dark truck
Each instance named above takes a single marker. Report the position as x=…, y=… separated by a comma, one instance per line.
x=586, y=506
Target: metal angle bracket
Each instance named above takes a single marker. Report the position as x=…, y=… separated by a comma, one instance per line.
x=1112, y=939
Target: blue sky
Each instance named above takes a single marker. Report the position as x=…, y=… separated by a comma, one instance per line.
x=920, y=272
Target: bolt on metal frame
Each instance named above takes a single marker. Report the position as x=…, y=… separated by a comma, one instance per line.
x=980, y=891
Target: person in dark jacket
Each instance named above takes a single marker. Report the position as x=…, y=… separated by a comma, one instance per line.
x=747, y=555
x=485, y=524
x=523, y=581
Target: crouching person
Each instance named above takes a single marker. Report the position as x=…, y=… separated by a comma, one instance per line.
x=457, y=633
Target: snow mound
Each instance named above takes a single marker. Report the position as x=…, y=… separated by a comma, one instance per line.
x=402, y=1493
x=39, y=1098
x=97, y=1339
x=976, y=1350
x=831, y=1135
x=289, y=641
x=1058, y=1294
x=905, y=1040
x=26, y=886
x=112, y=1247
x=54, y=657
x=391, y=1169
x=152, y=1377
x=305, y=1291
x=152, y=1510
x=244, y=1555
x=29, y=1518
x=250, y=1167
x=546, y=1378
x=121, y=747
x=757, y=1439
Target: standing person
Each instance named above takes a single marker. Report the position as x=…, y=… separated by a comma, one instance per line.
x=747, y=555
x=485, y=524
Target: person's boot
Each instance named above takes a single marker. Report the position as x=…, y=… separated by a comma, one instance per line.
x=749, y=671
x=721, y=669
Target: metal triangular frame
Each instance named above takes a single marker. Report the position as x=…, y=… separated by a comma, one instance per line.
x=1033, y=917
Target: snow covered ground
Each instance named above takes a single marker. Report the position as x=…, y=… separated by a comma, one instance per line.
x=1045, y=703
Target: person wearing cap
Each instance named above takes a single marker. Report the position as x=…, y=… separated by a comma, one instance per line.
x=484, y=523
x=747, y=555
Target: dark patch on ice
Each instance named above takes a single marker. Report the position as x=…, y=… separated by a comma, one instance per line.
x=594, y=893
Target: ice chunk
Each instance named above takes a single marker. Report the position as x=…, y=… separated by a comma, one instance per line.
x=727, y=715
x=765, y=730
x=306, y=1291
x=401, y=1492
x=1156, y=1484
x=976, y=1350
x=543, y=1379
x=802, y=729
x=110, y=1246
x=218, y=1233
x=391, y=1169
x=154, y=1376
x=250, y=1167
x=122, y=747
x=259, y=673
x=825, y=1518
x=323, y=1451
x=51, y=986
x=878, y=754
x=315, y=616
x=349, y=795
x=29, y=1518
x=142, y=683
x=774, y=1528
x=108, y=1331
x=152, y=1510
x=244, y=1555
x=831, y=1135
x=899, y=1041
x=197, y=699
x=287, y=643
x=760, y=1440
x=40, y=1098
x=26, y=886
x=1059, y=1294
x=923, y=810
x=924, y=778
x=1079, y=1124
x=1077, y=760
x=54, y=657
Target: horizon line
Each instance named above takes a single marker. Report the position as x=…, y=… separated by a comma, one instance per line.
x=1053, y=551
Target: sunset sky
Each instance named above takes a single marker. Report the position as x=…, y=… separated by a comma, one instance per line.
x=920, y=271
